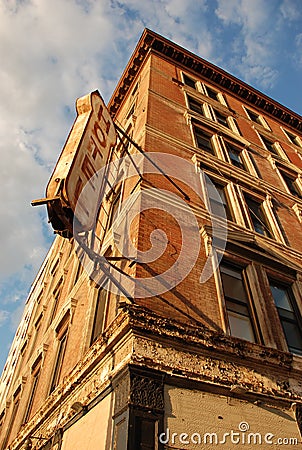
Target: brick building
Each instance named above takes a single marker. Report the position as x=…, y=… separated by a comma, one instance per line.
x=192, y=354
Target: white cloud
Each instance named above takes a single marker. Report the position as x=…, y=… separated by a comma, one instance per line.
x=3, y=316
x=298, y=46
x=255, y=38
x=291, y=10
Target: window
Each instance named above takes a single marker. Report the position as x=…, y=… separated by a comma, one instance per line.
x=59, y=361
x=36, y=370
x=291, y=183
x=55, y=267
x=144, y=434
x=195, y=105
x=56, y=297
x=203, y=140
x=218, y=199
x=289, y=316
x=16, y=403
x=294, y=139
x=257, y=216
x=189, y=81
x=114, y=208
x=99, y=316
x=269, y=145
x=254, y=116
x=221, y=118
x=237, y=302
x=130, y=112
x=210, y=92
x=37, y=327
x=235, y=155
x=257, y=118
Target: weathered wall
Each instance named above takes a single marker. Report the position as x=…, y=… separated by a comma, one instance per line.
x=192, y=411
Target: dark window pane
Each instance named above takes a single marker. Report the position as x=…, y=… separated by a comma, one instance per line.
x=99, y=317
x=235, y=156
x=195, y=105
x=32, y=397
x=283, y=299
x=218, y=200
x=144, y=434
x=293, y=138
x=233, y=286
x=258, y=218
x=189, y=81
x=59, y=362
x=269, y=145
x=237, y=303
x=254, y=116
x=114, y=208
x=212, y=93
x=203, y=140
x=290, y=183
x=221, y=118
x=293, y=336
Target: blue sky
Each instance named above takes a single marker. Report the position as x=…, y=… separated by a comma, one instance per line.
x=53, y=52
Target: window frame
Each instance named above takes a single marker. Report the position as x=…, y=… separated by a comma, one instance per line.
x=293, y=187
x=293, y=139
x=114, y=207
x=248, y=163
x=97, y=331
x=231, y=147
x=256, y=118
x=219, y=186
x=288, y=288
x=251, y=309
x=269, y=145
x=189, y=81
x=11, y=423
x=207, y=135
x=276, y=151
x=60, y=354
x=190, y=99
x=263, y=217
x=35, y=374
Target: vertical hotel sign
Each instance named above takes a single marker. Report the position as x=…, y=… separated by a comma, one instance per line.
x=84, y=154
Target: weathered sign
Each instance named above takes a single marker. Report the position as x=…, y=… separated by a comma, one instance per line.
x=84, y=154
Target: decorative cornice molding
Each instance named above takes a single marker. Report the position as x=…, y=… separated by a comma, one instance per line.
x=153, y=42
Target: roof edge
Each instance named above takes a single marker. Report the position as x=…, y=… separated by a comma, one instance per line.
x=151, y=41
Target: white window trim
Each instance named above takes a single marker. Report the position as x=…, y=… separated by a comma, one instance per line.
x=220, y=96
x=252, y=294
x=296, y=178
x=245, y=156
x=280, y=152
x=218, y=180
x=297, y=208
x=266, y=202
x=204, y=106
x=263, y=121
x=299, y=140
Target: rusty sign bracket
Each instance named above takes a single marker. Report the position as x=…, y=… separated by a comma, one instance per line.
x=44, y=201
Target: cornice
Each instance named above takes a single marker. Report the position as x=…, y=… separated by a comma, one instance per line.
x=153, y=42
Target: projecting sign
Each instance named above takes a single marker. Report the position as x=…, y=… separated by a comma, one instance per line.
x=85, y=153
